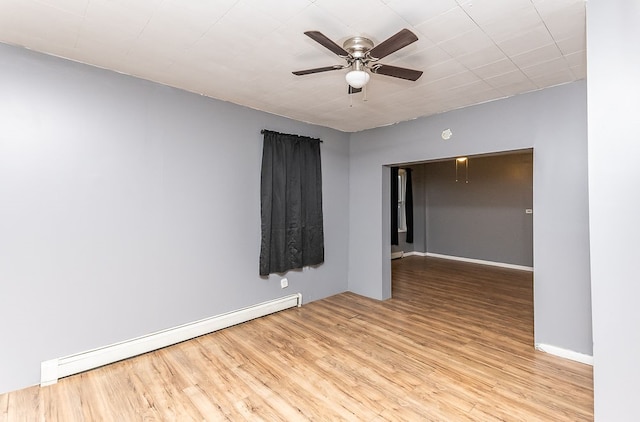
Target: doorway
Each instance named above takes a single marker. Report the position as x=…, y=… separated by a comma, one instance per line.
x=477, y=208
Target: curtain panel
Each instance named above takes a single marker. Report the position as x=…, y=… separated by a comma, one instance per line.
x=408, y=206
x=290, y=203
x=394, y=205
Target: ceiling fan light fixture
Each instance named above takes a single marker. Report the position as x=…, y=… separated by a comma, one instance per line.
x=362, y=58
x=357, y=78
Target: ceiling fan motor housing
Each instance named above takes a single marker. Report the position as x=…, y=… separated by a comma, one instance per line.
x=358, y=46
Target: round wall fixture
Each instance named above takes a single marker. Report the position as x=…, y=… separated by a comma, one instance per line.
x=446, y=134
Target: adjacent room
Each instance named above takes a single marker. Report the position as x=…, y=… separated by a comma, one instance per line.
x=478, y=208
x=153, y=266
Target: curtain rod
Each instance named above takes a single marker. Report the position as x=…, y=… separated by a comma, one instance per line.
x=265, y=130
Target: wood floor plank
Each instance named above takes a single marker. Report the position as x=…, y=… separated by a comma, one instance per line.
x=454, y=343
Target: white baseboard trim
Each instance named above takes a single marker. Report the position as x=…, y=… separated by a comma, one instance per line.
x=52, y=370
x=476, y=261
x=414, y=253
x=564, y=353
x=402, y=254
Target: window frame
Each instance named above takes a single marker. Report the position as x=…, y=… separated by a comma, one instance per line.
x=402, y=205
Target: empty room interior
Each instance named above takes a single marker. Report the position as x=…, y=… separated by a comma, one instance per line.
x=319, y=210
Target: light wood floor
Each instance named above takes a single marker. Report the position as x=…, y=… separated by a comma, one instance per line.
x=454, y=344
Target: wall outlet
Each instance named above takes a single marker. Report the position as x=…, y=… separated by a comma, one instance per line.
x=284, y=283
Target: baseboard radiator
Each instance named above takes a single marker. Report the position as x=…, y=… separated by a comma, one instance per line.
x=54, y=369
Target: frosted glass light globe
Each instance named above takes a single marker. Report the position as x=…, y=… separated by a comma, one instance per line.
x=357, y=78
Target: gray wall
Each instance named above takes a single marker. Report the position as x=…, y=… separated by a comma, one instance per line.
x=614, y=102
x=419, y=179
x=484, y=218
x=553, y=123
x=128, y=207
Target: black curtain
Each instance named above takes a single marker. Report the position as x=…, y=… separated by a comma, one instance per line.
x=408, y=206
x=290, y=203
x=394, y=205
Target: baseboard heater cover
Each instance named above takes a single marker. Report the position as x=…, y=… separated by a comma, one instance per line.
x=54, y=369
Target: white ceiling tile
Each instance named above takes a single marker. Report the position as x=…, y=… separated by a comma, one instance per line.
x=499, y=67
x=85, y=51
x=507, y=79
x=572, y=44
x=560, y=27
x=155, y=38
x=539, y=55
x=447, y=25
x=532, y=39
x=454, y=81
x=214, y=48
x=443, y=70
x=485, y=11
x=148, y=59
x=211, y=10
x=382, y=90
x=281, y=10
x=579, y=71
x=345, y=11
x=192, y=16
x=242, y=18
x=115, y=23
x=122, y=14
x=288, y=43
x=517, y=87
x=512, y=83
x=476, y=92
x=558, y=3
x=376, y=22
x=78, y=7
x=30, y=21
x=482, y=57
x=467, y=43
x=519, y=22
x=482, y=97
x=318, y=19
x=205, y=50
x=426, y=58
x=563, y=18
x=551, y=79
x=550, y=67
x=576, y=59
x=385, y=85
x=417, y=11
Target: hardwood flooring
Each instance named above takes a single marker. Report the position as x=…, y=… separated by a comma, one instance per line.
x=455, y=343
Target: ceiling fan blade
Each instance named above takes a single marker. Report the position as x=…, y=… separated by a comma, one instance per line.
x=393, y=44
x=397, y=72
x=323, y=40
x=353, y=90
x=317, y=70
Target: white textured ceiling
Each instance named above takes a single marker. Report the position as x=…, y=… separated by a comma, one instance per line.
x=244, y=51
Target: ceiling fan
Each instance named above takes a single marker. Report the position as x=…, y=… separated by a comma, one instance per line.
x=361, y=55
